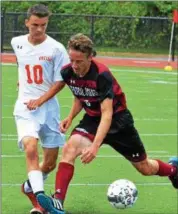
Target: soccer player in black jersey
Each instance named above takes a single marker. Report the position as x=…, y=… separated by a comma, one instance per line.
x=107, y=120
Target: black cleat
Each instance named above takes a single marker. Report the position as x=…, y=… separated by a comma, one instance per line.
x=174, y=179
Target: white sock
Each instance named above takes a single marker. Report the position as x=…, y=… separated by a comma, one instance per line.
x=28, y=188
x=36, y=181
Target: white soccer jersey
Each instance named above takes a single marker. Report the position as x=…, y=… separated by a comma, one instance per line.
x=38, y=65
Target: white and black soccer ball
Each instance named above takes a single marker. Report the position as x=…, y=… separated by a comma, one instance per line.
x=122, y=194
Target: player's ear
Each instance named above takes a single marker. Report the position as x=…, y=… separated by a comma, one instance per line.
x=90, y=57
x=26, y=22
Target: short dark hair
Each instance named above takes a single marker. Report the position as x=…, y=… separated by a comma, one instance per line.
x=83, y=43
x=39, y=10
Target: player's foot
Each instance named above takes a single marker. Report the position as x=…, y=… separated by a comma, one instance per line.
x=37, y=208
x=50, y=204
x=174, y=179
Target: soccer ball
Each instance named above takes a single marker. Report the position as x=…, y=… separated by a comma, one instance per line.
x=122, y=194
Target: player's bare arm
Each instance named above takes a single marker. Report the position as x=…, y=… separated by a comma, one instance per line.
x=55, y=88
x=106, y=117
x=75, y=110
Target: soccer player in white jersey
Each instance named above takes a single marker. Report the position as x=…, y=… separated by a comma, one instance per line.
x=39, y=59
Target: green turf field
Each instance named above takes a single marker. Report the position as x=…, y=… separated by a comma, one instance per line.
x=152, y=98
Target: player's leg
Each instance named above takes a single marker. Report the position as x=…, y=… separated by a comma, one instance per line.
x=129, y=144
x=46, y=166
x=155, y=167
x=48, y=163
x=34, y=184
x=137, y=156
x=32, y=161
x=147, y=166
x=51, y=140
x=72, y=149
x=81, y=137
x=28, y=140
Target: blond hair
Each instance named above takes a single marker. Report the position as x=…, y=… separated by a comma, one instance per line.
x=82, y=43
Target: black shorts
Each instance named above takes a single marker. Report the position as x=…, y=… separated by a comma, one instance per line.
x=122, y=135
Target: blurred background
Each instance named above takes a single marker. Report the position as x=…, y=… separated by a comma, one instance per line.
x=115, y=26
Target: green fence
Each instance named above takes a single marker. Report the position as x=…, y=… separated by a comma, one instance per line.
x=108, y=32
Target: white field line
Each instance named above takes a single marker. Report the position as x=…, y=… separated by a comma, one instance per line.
x=148, y=134
x=105, y=146
x=124, y=70
x=136, y=119
x=9, y=64
x=145, y=62
x=98, y=156
x=94, y=184
x=145, y=71
x=162, y=82
x=14, y=138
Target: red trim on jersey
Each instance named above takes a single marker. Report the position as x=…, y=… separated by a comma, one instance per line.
x=65, y=66
x=88, y=135
x=101, y=67
x=117, y=88
x=120, y=108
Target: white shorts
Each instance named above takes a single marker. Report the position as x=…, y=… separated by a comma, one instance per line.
x=42, y=123
x=29, y=128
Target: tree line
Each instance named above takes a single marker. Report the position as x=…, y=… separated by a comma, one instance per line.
x=119, y=8
x=121, y=32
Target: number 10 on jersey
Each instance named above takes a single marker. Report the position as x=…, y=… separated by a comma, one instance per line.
x=34, y=74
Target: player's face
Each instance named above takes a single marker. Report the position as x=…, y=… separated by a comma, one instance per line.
x=80, y=62
x=37, y=27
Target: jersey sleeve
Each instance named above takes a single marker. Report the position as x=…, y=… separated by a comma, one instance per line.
x=63, y=74
x=12, y=43
x=105, y=86
x=13, y=47
x=61, y=58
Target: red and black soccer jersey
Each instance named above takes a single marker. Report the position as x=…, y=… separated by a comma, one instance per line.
x=97, y=85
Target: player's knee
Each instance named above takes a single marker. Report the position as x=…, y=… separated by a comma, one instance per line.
x=69, y=153
x=31, y=151
x=48, y=167
x=145, y=171
x=144, y=168
x=69, y=149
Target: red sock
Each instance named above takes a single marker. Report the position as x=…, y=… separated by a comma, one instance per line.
x=166, y=169
x=63, y=177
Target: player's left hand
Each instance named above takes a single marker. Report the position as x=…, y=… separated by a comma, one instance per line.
x=89, y=153
x=33, y=104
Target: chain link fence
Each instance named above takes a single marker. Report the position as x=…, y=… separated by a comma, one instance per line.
x=108, y=32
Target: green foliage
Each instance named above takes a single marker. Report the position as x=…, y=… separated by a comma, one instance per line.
x=106, y=32
x=127, y=8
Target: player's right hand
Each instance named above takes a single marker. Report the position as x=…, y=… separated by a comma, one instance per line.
x=65, y=124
